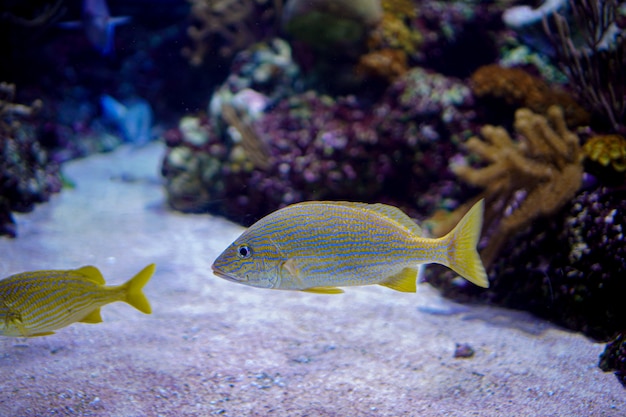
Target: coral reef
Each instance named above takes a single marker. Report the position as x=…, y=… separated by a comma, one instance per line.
x=225, y=27
x=613, y=359
x=568, y=268
x=591, y=50
x=331, y=25
x=329, y=38
x=26, y=175
x=531, y=178
x=390, y=43
x=387, y=64
x=607, y=150
x=262, y=74
x=450, y=32
x=517, y=88
x=528, y=23
x=580, y=286
x=394, y=30
x=318, y=147
x=434, y=34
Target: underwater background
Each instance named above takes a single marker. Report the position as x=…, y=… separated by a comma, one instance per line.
x=137, y=132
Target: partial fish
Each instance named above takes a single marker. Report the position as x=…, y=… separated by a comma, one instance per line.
x=321, y=245
x=133, y=118
x=37, y=303
x=98, y=24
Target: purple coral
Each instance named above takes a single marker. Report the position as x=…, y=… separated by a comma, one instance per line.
x=333, y=148
x=451, y=32
x=26, y=175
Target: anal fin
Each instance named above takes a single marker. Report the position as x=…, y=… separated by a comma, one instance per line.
x=40, y=334
x=324, y=290
x=93, y=317
x=403, y=281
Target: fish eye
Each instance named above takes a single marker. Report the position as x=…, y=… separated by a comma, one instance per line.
x=243, y=251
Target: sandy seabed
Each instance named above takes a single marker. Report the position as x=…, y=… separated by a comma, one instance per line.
x=212, y=347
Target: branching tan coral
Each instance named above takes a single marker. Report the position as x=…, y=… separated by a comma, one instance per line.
x=224, y=26
x=524, y=179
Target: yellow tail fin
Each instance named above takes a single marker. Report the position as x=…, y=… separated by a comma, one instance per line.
x=133, y=288
x=461, y=241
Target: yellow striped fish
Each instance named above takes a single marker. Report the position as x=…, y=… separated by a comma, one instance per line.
x=318, y=246
x=37, y=303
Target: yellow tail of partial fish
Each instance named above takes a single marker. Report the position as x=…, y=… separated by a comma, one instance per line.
x=462, y=240
x=134, y=289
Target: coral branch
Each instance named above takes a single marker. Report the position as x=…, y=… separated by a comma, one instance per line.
x=529, y=178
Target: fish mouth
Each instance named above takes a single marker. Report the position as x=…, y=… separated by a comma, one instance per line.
x=224, y=275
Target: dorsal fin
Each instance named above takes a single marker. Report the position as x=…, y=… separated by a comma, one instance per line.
x=91, y=273
x=385, y=210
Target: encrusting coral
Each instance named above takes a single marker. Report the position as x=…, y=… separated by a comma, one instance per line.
x=531, y=178
x=517, y=88
x=390, y=43
x=393, y=31
x=607, y=150
x=225, y=26
x=387, y=64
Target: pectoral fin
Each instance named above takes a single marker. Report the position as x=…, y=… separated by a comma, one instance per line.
x=403, y=281
x=292, y=273
x=291, y=266
x=14, y=319
x=324, y=290
x=93, y=317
